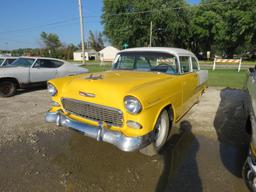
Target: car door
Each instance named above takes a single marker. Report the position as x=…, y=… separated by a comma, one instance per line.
x=189, y=82
x=43, y=70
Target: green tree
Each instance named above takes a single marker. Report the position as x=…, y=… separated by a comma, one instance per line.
x=225, y=25
x=51, y=42
x=96, y=40
x=128, y=21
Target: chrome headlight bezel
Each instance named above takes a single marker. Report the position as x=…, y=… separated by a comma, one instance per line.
x=132, y=105
x=52, y=89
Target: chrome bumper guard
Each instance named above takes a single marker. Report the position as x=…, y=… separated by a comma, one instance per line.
x=99, y=133
x=251, y=164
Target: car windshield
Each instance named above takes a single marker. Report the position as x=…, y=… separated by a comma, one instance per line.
x=1, y=61
x=21, y=62
x=146, y=61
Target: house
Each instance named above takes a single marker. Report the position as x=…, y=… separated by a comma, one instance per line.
x=89, y=54
x=108, y=53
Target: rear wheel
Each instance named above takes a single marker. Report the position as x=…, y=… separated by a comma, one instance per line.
x=161, y=132
x=7, y=88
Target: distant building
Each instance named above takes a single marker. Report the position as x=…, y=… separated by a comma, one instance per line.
x=108, y=53
x=89, y=54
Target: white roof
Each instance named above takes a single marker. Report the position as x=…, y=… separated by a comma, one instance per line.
x=171, y=50
x=8, y=57
x=109, y=47
x=33, y=57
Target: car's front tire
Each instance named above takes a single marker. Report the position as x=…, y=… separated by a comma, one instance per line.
x=7, y=88
x=161, y=129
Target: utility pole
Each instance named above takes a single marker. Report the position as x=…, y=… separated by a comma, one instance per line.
x=81, y=26
x=150, y=34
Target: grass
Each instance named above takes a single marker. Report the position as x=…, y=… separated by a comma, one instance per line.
x=227, y=78
x=218, y=78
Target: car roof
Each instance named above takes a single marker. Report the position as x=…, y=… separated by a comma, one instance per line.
x=171, y=50
x=30, y=57
x=8, y=57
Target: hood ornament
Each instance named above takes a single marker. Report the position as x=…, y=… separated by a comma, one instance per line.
x=85, y=94
x=95, y=77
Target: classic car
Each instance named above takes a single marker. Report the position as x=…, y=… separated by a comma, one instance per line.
x=6, y=61
x=134, y=105
x=249, y=168
x=27, y=71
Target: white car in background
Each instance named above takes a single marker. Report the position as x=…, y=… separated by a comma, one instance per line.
x=7, y=60
x=27, y=71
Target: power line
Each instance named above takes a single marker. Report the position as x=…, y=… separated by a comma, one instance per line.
x=66, y=22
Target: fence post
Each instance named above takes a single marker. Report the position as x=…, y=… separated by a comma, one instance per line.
x=240, y=63
x=214, y=63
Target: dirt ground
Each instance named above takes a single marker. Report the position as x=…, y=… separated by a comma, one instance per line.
x=205, y=152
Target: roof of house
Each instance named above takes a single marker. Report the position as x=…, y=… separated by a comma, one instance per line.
x=109, y=47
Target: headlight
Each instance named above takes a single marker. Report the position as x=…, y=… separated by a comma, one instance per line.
x=132, y=105
x=51, y=89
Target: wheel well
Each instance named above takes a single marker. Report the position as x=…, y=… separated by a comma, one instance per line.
x=10, y=79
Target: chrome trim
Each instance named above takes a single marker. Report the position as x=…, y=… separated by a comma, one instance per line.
x=96, y=105
x=250, y=163
x=100, y=133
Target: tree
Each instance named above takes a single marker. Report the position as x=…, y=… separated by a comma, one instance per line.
x=227, y=26
x=51, y=42
x=96, y=40
x=128, y=22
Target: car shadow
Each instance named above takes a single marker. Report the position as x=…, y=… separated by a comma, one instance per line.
x=31, y=89
x=181, y=147
x=230, y=126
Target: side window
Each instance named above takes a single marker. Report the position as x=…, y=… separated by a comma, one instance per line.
x=56, y=63
x=184, y=64
x=8, y=61
x=46, y=63
x=194, y=64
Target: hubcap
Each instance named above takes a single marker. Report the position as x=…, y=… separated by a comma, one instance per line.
x=162, y=129
x=6, y=88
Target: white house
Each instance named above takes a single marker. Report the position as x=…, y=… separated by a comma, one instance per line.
x=108, y=53
x=89, y=54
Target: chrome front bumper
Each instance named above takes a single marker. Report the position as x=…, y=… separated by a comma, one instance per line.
x=99, y=133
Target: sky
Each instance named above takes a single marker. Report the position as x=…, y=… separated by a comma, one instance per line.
x=22, y=21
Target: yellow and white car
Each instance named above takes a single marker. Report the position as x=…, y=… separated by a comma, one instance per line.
x=134, y=105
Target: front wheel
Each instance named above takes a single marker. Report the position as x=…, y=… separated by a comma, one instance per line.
x=249, y=177
x=161, y=133
x=7, y=88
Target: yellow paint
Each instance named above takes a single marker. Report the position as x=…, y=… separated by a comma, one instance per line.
x=154, y=90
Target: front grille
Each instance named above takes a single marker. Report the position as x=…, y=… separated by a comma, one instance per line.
x=94, y=112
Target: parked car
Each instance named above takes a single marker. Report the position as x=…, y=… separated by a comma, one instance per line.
x=6, y=61
x=249, y=169
x=134, y=105
x=26, y=71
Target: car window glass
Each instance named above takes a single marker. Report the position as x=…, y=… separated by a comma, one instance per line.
x=57, y=63
x=1, y=61
x=184, y=64
x=22, y=62
x=147, y=61
x=8, y=61
x=127, y=62
x=142, y=64
x=194, y=64
x=46, y=63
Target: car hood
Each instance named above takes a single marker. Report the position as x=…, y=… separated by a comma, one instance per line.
x=109, y=87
